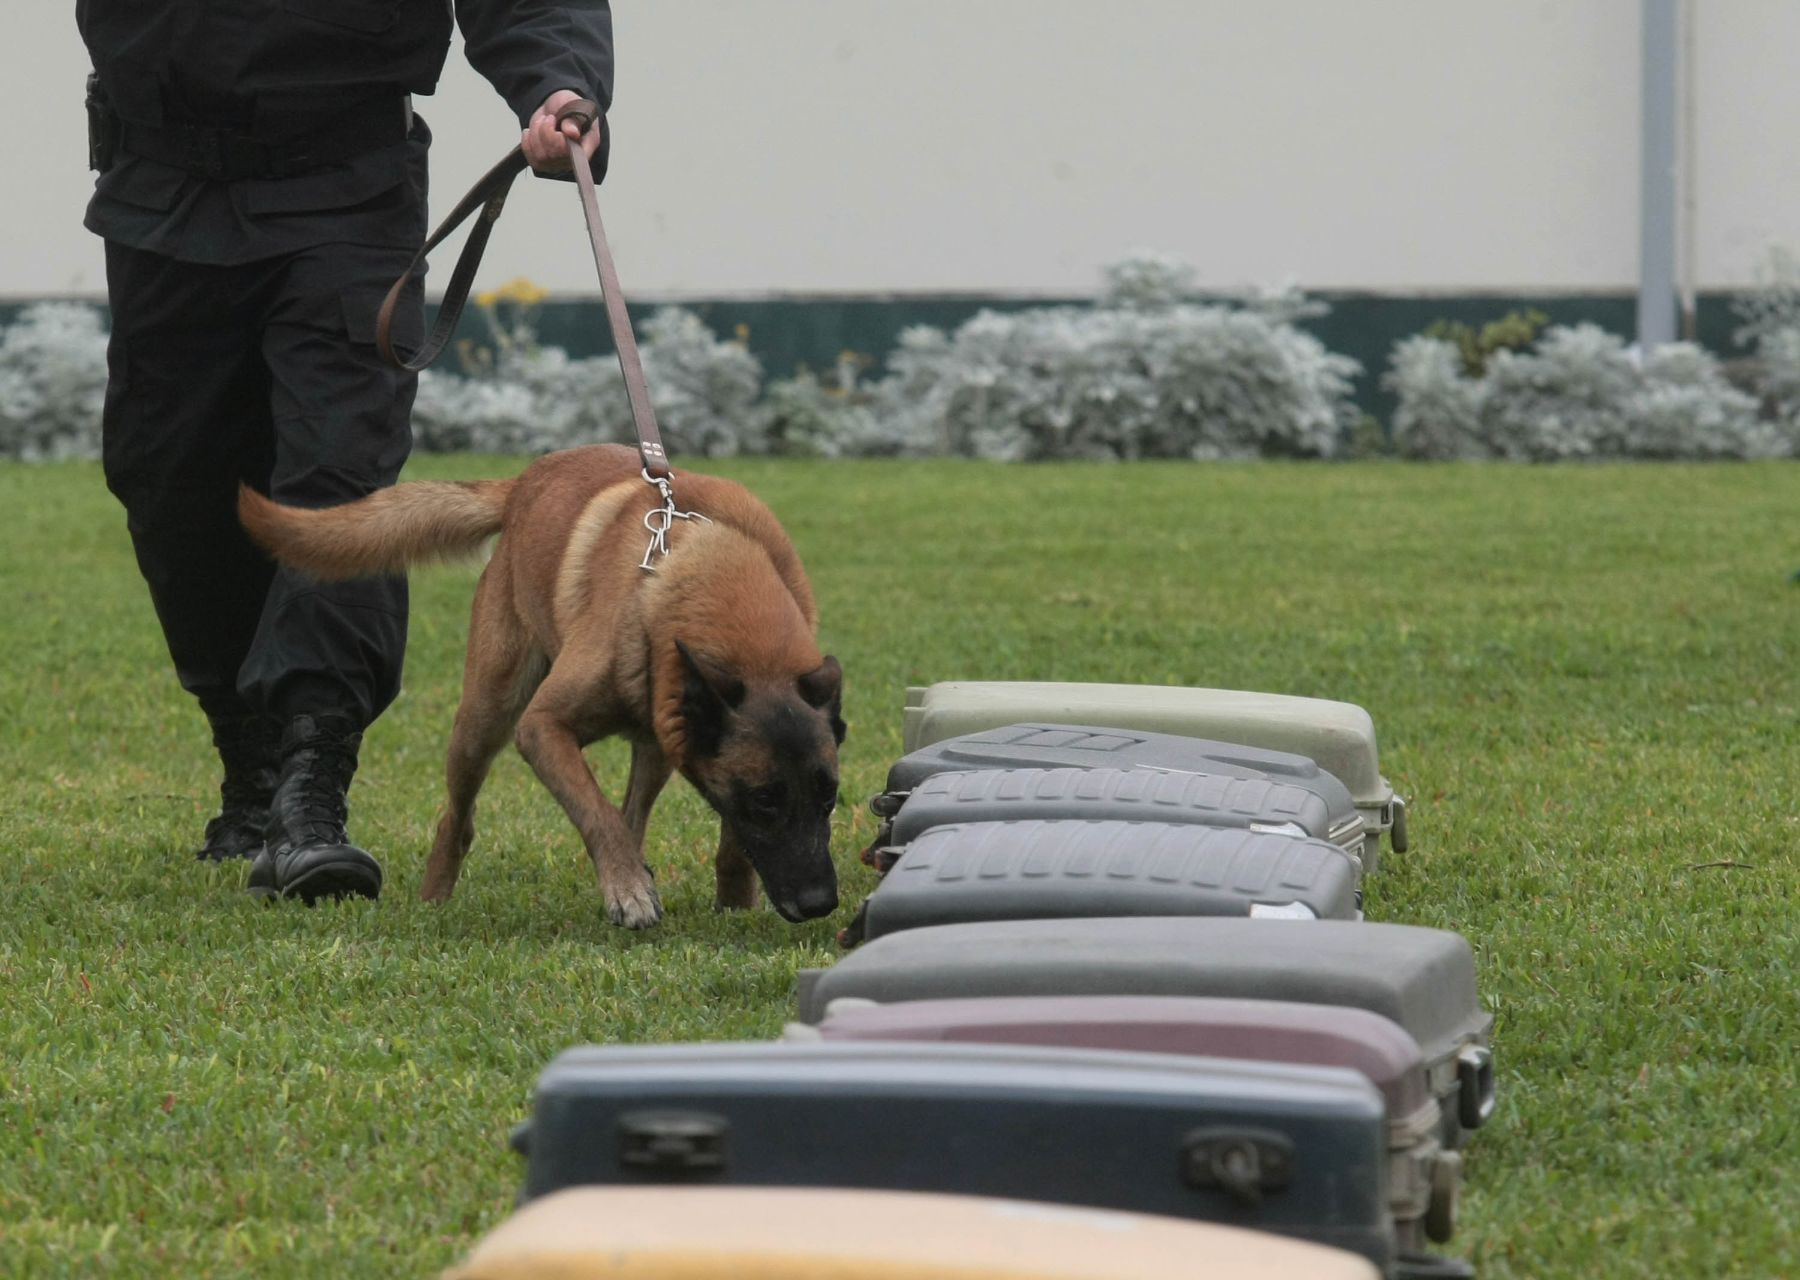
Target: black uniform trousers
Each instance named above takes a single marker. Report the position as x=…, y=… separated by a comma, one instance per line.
x=263, y=373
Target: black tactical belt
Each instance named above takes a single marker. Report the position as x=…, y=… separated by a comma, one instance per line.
x=227, y=155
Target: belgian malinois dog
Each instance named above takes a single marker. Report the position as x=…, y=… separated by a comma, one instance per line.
x=707, y=665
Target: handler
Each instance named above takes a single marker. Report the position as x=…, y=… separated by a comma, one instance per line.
x=262, y=183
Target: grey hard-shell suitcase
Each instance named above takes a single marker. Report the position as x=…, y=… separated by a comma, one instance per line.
x=1338, y=736
x=1423, y=979
x=1424, y=1178
x=1102, y=795
x=1036, y=870
x=1300, y=1151
x=1040, y=745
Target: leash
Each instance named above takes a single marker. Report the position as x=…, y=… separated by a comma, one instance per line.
x=489, y=197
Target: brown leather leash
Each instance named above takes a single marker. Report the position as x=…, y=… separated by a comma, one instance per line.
x=489, y=197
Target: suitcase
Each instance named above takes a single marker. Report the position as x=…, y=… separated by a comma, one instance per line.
x=1338, y=736
x=1037, y=870
x=1424, y=1178
x=1299, y=1151
x=1423, y=979
x=806, y=1233
x=1101, y=795
x=1061, y=746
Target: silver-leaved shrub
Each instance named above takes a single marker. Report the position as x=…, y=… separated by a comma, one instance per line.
x=1770, y=316
x=533, y=399
x=1439, y=411
x=809, y=417
x=52, y=382
x=1581, y=393
x=1141, y=374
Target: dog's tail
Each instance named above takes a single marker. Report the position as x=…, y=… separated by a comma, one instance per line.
x=381, y=533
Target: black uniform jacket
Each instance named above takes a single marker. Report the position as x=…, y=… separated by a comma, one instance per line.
x=281, y=70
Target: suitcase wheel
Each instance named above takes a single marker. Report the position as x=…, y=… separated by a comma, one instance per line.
x=1430, y=1266
x=1446, y=1191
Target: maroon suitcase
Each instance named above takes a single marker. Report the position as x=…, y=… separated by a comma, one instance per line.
x=1424, y=1179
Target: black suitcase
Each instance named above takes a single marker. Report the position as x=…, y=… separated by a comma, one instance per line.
x=1423, y=979
x=1064, y=746
x=1300, y=1151
x=1037, y=870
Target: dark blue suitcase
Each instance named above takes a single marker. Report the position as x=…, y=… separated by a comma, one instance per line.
x=1301, y=1151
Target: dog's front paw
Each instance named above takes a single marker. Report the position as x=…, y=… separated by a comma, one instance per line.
x=636, y=908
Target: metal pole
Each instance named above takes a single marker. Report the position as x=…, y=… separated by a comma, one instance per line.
x=1656, y=270
x=1689, y=178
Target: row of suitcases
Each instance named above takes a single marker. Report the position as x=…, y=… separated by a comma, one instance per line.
x=1083, y=985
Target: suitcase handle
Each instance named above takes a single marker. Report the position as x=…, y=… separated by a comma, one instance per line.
x=673, y=1142
x=1245, y=1164
x=1475, y=1086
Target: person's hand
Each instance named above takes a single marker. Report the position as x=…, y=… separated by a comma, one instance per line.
x=546, y=146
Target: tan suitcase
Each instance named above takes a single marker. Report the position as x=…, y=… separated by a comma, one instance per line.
x=1338, y=736
x=759, y=1233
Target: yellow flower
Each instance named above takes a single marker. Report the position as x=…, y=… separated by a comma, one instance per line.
x=522, y=291
x=486, y=298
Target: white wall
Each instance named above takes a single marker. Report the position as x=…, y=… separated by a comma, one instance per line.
x=1014, y=145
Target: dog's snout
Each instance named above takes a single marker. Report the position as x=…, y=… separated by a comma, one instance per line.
x=815, y=900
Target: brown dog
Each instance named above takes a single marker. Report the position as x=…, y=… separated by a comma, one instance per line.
x=708, y=665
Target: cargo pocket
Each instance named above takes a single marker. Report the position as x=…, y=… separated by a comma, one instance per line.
x=357, y=15
x=361, y=307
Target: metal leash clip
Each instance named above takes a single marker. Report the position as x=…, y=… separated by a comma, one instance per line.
x=661, y=519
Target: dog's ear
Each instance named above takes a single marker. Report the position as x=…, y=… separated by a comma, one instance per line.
x=709, y=694
x=823, y=687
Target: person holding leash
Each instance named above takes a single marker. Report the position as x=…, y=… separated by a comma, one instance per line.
x=262, y=181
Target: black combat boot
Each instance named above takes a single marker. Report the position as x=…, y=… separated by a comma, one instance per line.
x=250, y=749
x=308, y=854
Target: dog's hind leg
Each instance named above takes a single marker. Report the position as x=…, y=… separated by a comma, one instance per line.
x=735, y=876
x=550, y=734
x=500, y=673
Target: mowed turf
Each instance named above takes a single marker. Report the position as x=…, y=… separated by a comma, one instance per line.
x=1583, y=677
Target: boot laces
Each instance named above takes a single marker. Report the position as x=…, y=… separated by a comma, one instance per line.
x=315, y=801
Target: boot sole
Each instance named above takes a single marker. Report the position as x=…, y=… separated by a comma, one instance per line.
x=331, y=880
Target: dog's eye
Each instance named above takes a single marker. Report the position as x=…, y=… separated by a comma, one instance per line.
x=766, y=799
x=826, y=788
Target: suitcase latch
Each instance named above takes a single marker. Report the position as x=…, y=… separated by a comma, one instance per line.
x=1246, y=1164
x=881, y=855
x=672, y=1142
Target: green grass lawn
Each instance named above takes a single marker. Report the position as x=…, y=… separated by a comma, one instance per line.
x=1584, y=678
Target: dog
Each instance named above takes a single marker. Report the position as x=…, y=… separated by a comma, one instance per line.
x=708, y=665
